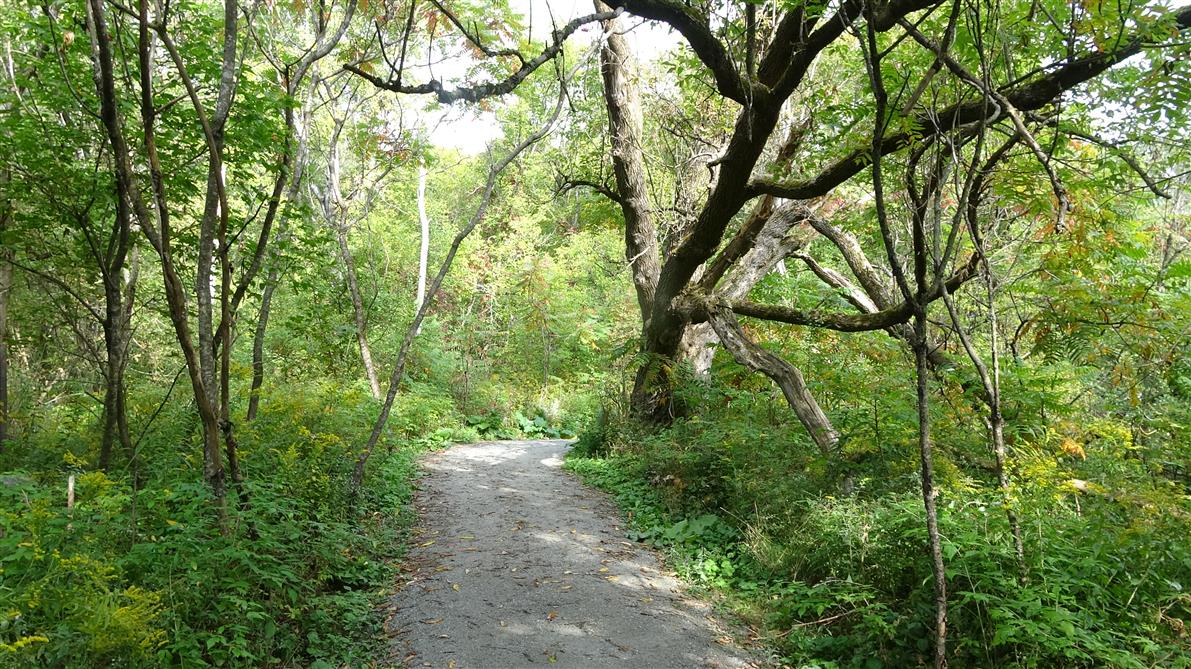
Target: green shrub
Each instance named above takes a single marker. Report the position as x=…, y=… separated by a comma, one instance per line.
x=145, y=578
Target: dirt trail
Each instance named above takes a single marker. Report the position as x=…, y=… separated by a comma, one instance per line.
x=517, y=564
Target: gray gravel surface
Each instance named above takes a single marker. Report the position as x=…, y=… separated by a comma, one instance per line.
x=517, y=564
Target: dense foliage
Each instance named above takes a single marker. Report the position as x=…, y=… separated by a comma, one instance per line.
x=874, y=315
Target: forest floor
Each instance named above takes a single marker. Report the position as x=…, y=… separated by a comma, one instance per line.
x=515, y=563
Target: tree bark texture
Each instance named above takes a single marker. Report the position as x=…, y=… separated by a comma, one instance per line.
x=782, y=233
x=785, y=375
x=623, y=102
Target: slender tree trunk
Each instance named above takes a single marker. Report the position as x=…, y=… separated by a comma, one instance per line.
x=353, y=286
x=300, y=129
x=115, y=340
x=997, y=423
x=991, y=382
x=929, y=493
x=155, y=225
x=129, y=300
x=335, y=213
x=424, y=250
x=5, y=291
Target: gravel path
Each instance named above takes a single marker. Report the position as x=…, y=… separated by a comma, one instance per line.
x=517, y=564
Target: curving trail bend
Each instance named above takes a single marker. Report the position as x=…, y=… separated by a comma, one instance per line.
x=517, y=564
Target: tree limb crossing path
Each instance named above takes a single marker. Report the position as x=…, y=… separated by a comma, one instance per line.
x=517, y=564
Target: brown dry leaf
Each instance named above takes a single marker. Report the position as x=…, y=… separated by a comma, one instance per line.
x=603, y=569
x=455, y=587
x=432, y=621
x=552, y=615
x=451, y=664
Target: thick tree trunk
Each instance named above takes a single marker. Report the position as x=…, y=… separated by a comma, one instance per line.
x=113, y=372
x=781, y=232
x=653, y=387
x=622, y=99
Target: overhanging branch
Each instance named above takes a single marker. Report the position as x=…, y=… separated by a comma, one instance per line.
x=1024, y=97
x=478, y=92
x=699, y=309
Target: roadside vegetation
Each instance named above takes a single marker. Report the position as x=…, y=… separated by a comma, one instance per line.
x=875, y=315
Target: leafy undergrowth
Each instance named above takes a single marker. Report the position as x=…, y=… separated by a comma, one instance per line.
x=745, y=509
x=145, y=578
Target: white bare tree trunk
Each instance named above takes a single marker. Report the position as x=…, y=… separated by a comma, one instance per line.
x=424, y=252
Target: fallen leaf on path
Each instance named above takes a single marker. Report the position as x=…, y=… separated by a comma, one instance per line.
x=451, y=664
x=552, y=615
x=426, y=543
x=603, y=569
x=432, y=621
x=455, y=587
